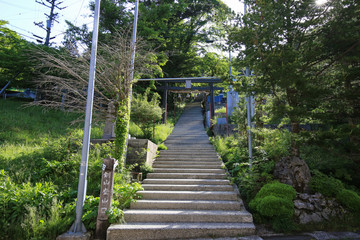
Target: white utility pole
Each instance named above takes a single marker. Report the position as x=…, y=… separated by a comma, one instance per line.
x=78, y=225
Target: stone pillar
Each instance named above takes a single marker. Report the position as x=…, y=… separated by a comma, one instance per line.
x=109, y=130
x=107, y=184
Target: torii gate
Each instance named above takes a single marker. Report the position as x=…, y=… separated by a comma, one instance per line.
x=188, y=81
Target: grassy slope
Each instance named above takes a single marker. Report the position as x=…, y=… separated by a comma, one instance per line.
x=26, y=129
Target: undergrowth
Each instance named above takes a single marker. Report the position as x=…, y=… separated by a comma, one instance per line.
x=40, y=153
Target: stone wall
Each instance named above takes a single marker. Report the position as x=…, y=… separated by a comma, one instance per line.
x=316, y=208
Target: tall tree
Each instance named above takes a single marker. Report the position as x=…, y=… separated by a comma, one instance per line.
x=172, y=27
x=283, y=48
x=14, y=63
x=176, y=27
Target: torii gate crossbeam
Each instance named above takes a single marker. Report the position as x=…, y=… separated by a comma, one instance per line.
x=210, y=80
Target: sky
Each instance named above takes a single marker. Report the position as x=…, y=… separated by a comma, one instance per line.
x=21, y=15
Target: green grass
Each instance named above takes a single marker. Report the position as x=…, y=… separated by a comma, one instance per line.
x=40, y=152
x=26, y=129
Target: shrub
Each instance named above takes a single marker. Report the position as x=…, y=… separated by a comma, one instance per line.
x=328, y=186
x=90, y=211
x=350, y=200
x=274, y=203
x=125, y=194
x=146, y=113
x=277, y=189
x=135, y=130
x=145, y=169
x=273, y=206
x=162, y=147
x=274, y=142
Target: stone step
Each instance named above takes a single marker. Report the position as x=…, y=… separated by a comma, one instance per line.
x=187, y=137
x=187, y=175
x=189, y=195
x=188, y=204
x=156, y=215
x=187, y=170
x=184, y=143
x=187, y=154
x=169, y=164
x=187, y=141
x=187, y=181
x=184, y=187
x=181, y=158
x=190, y=147
x=159, y=231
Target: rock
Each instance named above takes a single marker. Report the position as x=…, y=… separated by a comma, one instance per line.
x=299, y=204
x=316, y=217
x=316, y=208
x=322, y=202
x=304, y=196
x=304, y=218
x=326, y=213
x=317, y=205
x=318, y=195
x=293, y=171
x=303, y=205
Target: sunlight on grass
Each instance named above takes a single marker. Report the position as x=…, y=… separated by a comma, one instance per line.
x=11, y=151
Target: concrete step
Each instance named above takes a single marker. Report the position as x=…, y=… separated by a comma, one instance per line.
x=156, y=215
x=185, y=187
x=187, y=137
x=187, y=154
x=189, y=144
x=188, y=204
x=189, y=195
x=159, y=231
x=187, y=181
x=182, y=158
x=187, y=170
x=187, y=175
x=191, y=147
x=187, y=141
x=168, y=164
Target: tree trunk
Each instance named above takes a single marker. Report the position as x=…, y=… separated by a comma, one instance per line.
x=295, y=128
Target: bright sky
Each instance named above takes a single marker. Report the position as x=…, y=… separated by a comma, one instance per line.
x=21, y=15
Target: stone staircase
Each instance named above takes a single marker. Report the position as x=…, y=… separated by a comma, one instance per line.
x=188, y=195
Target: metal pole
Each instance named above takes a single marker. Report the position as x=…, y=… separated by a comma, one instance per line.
x=136, y=13
x=249, y=112
x=230, y=63
x=132, y=66
x=78, y=226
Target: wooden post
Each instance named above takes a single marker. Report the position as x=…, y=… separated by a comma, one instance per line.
x=165, y=103
x=107, y=184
